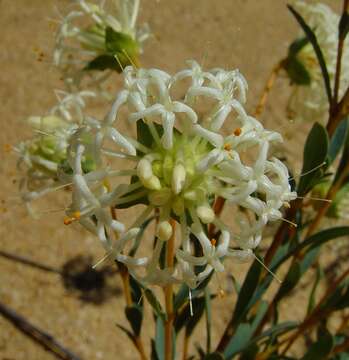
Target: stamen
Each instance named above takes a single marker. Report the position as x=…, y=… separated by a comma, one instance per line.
x=129, y=59
x=266, y=268
x=213, y=242
x=99, y=262
x=314, y=198
x=119, y=62
x=227, y=147
x=308, y=172
x=289, y=222
x=191, y=303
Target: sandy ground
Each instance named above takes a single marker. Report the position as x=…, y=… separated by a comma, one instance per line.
x=245, y=34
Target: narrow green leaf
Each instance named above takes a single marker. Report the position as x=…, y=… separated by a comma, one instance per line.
x=181, y=297
x=127, y=332
x=160, y=338
x=320, y=57
x=153, y=301
x=119, y=43
x=338, y=140
x=215, y=356
x=315, y=153
x=343, y=26
x=247, y=290
x=312, y=296
x=296, y=71
x=297, y=46
x=104, y=62
x=134, y=314
x=239, y=341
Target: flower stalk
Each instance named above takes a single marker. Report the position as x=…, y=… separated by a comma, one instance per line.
x=170, y=254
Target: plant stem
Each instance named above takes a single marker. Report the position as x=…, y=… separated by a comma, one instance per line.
x=125, y=277
x=185, y=345
x=339, y=59
x=169, y=295
x=267, y=88
x=315, y=315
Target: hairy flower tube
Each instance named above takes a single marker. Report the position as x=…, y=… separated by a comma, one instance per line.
x=308, y=100
x=190, y=150
x=98, y=37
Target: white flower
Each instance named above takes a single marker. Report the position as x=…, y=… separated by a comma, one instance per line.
x=77, y=47
x=309, y=101
x=45, y=154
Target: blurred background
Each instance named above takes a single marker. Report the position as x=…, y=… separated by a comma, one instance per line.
x=45, y=267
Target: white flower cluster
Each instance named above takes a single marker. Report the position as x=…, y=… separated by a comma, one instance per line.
x=181, y=162
x=78, y=43
x=309, y=102
x=43, y=154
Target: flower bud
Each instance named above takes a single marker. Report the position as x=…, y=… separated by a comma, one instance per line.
x=153, y=183
x=178, y=178
x=205, y=213
x=164, y=230
x=144, y=170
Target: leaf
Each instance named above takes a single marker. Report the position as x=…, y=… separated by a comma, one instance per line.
x=315, y=153
x=296, y=71
x=320, y=349
x=184, y=318
x=119, y=43
x=160, y=338
x=277, y=330
x=320, y=57
x=343, y=25
x=215, y=356
x=290, y=281
x=136, y=290
x=239, y=341
x=247, y=290
x=153, y=301
x=297, y=46
x=337, y=140
x=181, y=297
x=127, y=332
x=103, y=62
x=134, y=314
x=311, y=301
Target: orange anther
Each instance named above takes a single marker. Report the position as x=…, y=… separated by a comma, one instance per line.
x=67, y=221
x=7, y=147
x=227, y=147
x=213, y=242
x=237, y=131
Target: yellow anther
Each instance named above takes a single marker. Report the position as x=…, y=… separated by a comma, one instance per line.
x=227, y=147
x=76, y=215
